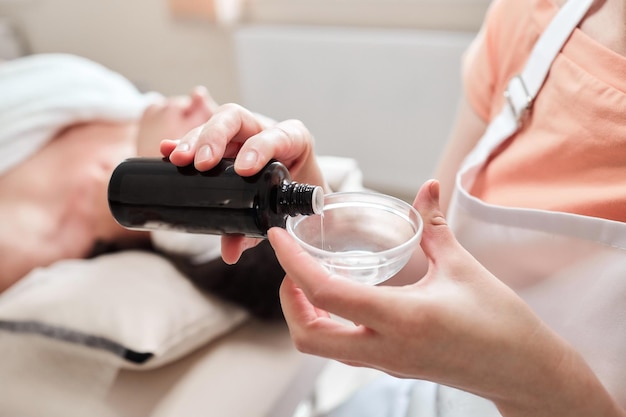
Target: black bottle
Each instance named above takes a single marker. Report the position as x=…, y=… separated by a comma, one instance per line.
x=152, y=193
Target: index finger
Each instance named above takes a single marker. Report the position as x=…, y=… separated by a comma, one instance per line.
x=351, y=300
x=219, y=137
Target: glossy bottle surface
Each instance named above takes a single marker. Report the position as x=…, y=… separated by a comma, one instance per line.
x=152, y=193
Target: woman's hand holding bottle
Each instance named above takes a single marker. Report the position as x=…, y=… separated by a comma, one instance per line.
x=253, y=140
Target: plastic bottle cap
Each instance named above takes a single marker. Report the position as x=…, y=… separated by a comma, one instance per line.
x=318, y=200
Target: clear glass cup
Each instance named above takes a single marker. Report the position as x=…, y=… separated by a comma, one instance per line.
x=363, y=236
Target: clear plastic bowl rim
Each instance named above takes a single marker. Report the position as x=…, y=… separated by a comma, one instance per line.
x=374, y=199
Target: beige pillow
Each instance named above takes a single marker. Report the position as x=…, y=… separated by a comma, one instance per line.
x=134, y=305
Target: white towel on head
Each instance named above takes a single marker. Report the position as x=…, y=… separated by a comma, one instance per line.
x=42, y=94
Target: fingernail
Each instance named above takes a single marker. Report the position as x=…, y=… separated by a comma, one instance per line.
x=434, y=190
x=204, y=153
x=247, y=159
x=182, y=147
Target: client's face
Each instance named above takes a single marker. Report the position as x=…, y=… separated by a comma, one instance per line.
x=67, y=207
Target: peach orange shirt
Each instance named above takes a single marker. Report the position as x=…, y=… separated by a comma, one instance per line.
x=570, y=155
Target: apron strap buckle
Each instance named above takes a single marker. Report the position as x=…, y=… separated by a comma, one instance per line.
x=518, y=99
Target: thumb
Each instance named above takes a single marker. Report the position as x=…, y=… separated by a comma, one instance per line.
x=436, y=234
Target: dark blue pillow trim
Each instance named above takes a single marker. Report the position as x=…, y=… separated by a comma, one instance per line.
x=71, y=336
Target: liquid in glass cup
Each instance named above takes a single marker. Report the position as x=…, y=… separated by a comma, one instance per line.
x=363, y=236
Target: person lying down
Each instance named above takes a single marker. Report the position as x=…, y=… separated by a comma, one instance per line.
x=66, y=123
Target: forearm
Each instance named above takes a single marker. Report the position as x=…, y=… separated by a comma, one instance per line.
x=465, y=134
x=561, y=384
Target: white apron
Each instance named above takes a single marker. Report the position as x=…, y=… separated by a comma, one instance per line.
x=571, y=269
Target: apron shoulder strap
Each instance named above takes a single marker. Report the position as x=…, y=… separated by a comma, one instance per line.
x=523, y=87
